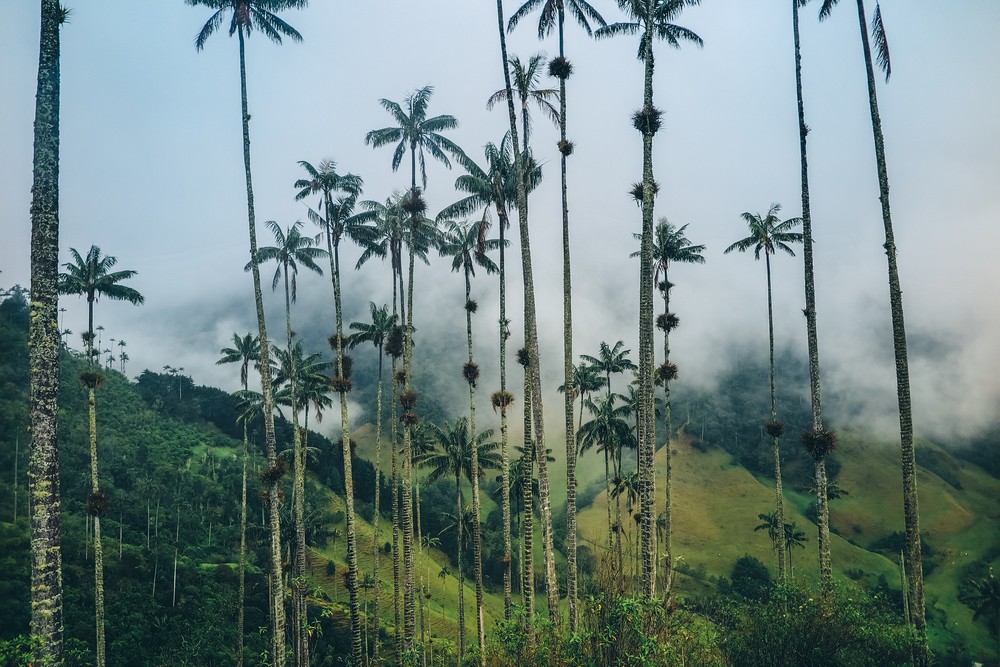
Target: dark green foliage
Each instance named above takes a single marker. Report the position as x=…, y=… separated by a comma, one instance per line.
x=522, y=356
x=892, y=544
x=793, y=629
x=471, y=306
x=819, y=444
x=394, y=342
x=566, y=147
x=647, y=120
x=774, y=428
x=751, y=579
x=940, y=463
x=560, y=68
x=470, y=371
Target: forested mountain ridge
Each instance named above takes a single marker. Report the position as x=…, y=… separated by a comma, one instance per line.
x=170, y=465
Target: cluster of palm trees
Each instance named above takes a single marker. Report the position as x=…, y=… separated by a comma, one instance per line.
x=385, y=230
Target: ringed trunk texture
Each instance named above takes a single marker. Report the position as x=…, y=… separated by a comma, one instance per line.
x=911, y=511
x=528, y=521
x=43, y=350
x=504, y=444
x=571, y=573
x=409, y=608
x=273, y=498
x=477, y=537
x=531, y=342
x=345, y=438
x=647, y=425
x=668, y=564
x=775, y=444
x=98, y=546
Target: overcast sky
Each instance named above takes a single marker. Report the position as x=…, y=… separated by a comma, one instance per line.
x=152, y=172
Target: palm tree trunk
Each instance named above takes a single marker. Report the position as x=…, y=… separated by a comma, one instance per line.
x=43, y=351
x=504, y=445
x=461, y=570
x=775, y=444
x=668, y=563
x=277, y=611
x=476, y=510
x=378, y=494
x=345, y=437
x=420, y=588
x=528, y=522
x=409, y=610
x=299, y=607
x=607, y=491
x=826, y=570
x=647, y=430
x=571, y=573
x=394, y=446
x=531, y=342
x=98, y=546
x=243, y=549
x=911, y=511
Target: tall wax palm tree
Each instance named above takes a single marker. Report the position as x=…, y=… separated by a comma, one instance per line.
x=92, y=277
x=911, y=510
x=495, y=187
x=526, y=87
x=43, y=350
x=336, y=221
x=669, y=245
x=376, y=332
x=291, y=250
x=465, y=244
x=553, y=12
x=612, y=360
x=769, y=234
x=417, y=132
x=586, y=381
x=650, y=19
x=245, y=349
x=608, y=432
x=532, y=367
x=244, y=16
x=458, y=454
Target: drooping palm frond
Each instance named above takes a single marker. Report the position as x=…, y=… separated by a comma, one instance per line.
x=548, y=18
x=881, y=42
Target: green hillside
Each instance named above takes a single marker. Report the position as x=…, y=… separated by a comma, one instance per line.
x=170, y=462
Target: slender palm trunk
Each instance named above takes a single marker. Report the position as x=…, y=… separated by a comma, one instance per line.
x=274, y=472
x=528, y=512
x=571, y=573
x=345, y=437
x=477, y=537
x=461, y=569
x=95, y=511
x=243, y=548
x=668, y=564
x=647, y=424
x=531, y=341
x=299, y=607
x=825, y=566
x=504, y=445
x=911, y=511
x=378, y=494
x=775, y=444
x=409, y=610
x=420, y=591
x=394, y=447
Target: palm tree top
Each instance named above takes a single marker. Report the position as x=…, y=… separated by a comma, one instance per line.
x=581, y=10
x=878, y=34
x=767, y=233
x=291, y=250
x=247, y=15
x=324, y=180
x=244, y=350
x=91, y=276
x=652, y=17
x=414, y=130
x=454, y=456
x=465, y=243
x=524, y=77
x=376, y=331
x=611, y=359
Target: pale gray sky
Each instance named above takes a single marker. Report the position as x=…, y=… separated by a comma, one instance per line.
x=152, y=172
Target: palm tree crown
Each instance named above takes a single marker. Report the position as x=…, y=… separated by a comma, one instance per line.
x=247, y=15
x=670, y=245
x=767, y=233
x=417, y=132
x=291, y=250
x=91, y=276
x=244, y=350
x=651, y=18
x=454, y=456
x=548, y=18
x=525, y=80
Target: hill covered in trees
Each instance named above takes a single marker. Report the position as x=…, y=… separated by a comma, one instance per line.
x=171, y=467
